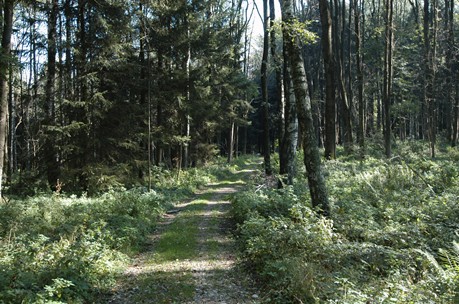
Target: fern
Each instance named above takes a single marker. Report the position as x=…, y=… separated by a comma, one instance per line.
x=433, y=261
x=450, y=259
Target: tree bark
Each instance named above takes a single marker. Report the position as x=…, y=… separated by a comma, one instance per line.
x=330, y=102
x=358, y=55
x=264, y=92
x=387, y=86
x=231, y=142
x=346, y=126
x=68, y=49
x=452, y=73
x=455, y=112
x=316, y=181
x=429, y=57
x=50, y=153
x=278, y=72
x=290, y=140
x=8, y=7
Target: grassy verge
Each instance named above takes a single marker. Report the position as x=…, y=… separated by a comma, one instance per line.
x=71, y=249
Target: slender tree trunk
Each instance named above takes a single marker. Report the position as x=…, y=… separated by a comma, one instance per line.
x=278, y=72
x=453, y=79
x=330, y=102
x=316, y=181
x=231, y=142
x=429, y=58
x=159, y=110
x=8, y=7
x=68, y=50
x=264, y=92
x=358, y=47
x=290, y=140
x=186, y=145
x=81, y=114
x=387, y=89
x=456, y=111
x=12, y=155
x=50, y=153
x=339, y=66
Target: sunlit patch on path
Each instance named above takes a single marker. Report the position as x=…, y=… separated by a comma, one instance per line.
x=191, y=258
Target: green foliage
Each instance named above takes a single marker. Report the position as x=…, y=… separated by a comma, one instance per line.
x=69, y=249
x=390, y=220
x=299, y=29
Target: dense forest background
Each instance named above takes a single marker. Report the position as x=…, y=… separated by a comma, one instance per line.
x=100, y=92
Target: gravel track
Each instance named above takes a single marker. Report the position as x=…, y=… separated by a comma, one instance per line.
x=213, y=274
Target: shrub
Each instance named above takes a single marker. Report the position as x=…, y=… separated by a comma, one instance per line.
x=384, y=214
x=71, y=249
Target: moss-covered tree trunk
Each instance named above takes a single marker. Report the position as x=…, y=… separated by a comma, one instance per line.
x=316, y=181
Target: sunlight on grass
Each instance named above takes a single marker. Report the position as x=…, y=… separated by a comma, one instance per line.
x=179, y=241
x=164, y=287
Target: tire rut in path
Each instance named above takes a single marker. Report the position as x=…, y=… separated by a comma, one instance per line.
x=217, y=278
x=212, y=272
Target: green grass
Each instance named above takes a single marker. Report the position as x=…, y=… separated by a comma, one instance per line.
x=179, y=241
x=164, y=287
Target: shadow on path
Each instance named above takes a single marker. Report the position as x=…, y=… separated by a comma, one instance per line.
x=191, y=258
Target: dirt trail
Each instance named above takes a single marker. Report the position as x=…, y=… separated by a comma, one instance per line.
x=207, y=273
x=216, y=277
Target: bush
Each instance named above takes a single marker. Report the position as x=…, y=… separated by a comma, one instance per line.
x=65, y=249
x=385, y=216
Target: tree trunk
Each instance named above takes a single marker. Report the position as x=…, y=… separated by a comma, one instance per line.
x=231, y=142
x=316, y=181
x=50, y=153
x=452, y=73
x=339, y=66
x=278, y=72
x=455, y=112
x=186, y=145
x=429, y=99
x=290, y=140
x=159, y=110
x=264, y=92
x=387, y=89
x=358, y=55
x=330, y=103
x=12, y=155
x=8, y=7
x=68, y=49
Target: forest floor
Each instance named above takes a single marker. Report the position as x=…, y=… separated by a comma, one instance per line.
x=191, y=257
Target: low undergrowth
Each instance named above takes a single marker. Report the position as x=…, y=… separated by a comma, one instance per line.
x=68, y=249
x=390, y=239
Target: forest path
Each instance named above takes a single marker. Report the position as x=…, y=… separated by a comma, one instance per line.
x=191, y=256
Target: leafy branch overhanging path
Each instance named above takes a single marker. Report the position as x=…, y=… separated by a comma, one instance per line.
x=191, y=256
